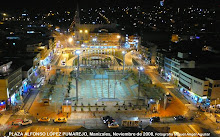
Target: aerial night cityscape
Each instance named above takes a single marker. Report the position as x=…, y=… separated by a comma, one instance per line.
x=110, y=68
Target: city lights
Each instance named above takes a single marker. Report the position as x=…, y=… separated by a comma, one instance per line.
x=138, y=68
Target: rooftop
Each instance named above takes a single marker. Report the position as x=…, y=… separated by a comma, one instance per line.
x=202, y=73
x=2, y=62
x=174, y=56
x=14, y=66
x=26, y=61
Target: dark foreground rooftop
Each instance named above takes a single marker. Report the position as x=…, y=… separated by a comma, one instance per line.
x=202, y=73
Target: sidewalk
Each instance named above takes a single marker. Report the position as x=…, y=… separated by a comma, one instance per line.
x=4, y=119
x=211, y=117
x=210, y=122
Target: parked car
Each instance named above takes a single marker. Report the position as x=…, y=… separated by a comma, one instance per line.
x=25, y=122
x=113, y=125
x=155, y=119
x=44, y=119
x=107, y=119
x=22, y=122
x=179, y=118
x=60, y=120
x=192, y=118
x=63, y=63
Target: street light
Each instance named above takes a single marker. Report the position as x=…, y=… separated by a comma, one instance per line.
x=140, y=69
x=77, y=73
x=77, y=53
x=70, y=40
x=118, y=36
x=123, y=52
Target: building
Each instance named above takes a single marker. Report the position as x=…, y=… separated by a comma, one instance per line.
x=20, y=30
x=46, y=52
x=153, y=54
x=173, y=64
x=132, y=41
x=30, y=69
x=10, y=83
x=97, y=36
x=161, y=54
x=144, y=53
x=102, y=40
x=200, y=85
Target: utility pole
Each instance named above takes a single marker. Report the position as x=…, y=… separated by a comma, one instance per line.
x=139, y=80
x=139, y=85
x=77, y=74
x=123, y=52
x=108, y=86
x=115, y=85
x=102, y=85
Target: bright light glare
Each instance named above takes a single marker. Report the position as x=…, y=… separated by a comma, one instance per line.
x=123, y=52
x=70, y=39
x=86, y=31
x=77, y=52
x=80, y=31
x=118, y=36
x=140, y=68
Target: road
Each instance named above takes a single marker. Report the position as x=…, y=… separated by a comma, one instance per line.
x=94, y=123
x=181, y=103
x=183, y=128
x=85, y=118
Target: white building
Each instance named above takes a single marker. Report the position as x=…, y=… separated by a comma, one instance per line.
x=200, y=85
x=172, y=66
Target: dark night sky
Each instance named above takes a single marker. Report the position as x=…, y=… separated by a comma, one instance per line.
x=45, y=4
x=38, y=6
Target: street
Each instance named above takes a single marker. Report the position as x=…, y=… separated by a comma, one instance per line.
x=95, y=87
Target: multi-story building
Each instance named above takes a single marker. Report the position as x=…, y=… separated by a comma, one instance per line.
x=172, y=66
x=150, y=52
x=132, y=41
x=200, y=85
x=30, y=68
x=97, y=36
x=10, y=83
x=161, y=54
x=46, y=52
x=102, y=40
